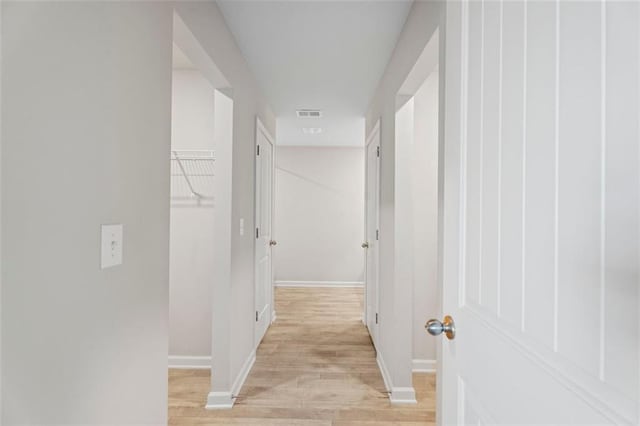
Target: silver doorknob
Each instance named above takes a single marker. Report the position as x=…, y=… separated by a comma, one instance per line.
x=436, y=328
x=273, y=243
x=365, y=245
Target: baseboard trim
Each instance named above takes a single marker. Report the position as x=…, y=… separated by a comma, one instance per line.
x=319, y=284
x=424, y=366
x=403, y=396
x=244, y=373
x=397, y=395
x=225, y=400
x=190, y=362
x=219, y=401
x=386, y=377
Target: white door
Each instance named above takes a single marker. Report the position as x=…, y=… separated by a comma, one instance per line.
x=541, y=213
x=263, y=232
x=372, y=207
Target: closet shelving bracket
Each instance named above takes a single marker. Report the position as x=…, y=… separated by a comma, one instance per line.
x=182, y=157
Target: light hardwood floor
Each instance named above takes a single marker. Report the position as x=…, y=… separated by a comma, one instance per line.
x=315, y=366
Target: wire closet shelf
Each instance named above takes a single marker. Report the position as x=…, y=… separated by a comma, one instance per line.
x=192, y=173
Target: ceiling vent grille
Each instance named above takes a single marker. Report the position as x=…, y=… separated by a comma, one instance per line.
x=312, y=130
x=309, y=113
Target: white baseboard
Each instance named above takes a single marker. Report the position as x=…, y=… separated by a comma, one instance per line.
x=225, y=400
x=403, y=396
x=190, y=362
x=319, y=284
x=386, y=377
x=397, y=395
x=244, y=373
x=424, y=366
x=219, y=401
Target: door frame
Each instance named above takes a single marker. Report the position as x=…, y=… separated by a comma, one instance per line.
x=261, y=128
x=374, y=132
x=221, y=391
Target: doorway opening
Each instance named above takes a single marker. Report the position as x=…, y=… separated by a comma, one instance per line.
x=191, y=215
x=417, y=154
x=417, y=214
x=200, y=213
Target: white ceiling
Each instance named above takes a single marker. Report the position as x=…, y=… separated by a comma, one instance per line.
x=327, y=55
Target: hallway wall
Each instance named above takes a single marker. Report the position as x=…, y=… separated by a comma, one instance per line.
x=396, y=307
x=319, y=216
x=86, y=125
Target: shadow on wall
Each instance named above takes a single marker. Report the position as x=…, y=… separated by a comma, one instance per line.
x=307, y=179
x=319, y=215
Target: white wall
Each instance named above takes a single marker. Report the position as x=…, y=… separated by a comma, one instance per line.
x=319, y=215
x=192, y=241
x=1, y=316
x=86, y=134
x=425, y=220
x=396, y=303
x=191, y=111
x=86, y=95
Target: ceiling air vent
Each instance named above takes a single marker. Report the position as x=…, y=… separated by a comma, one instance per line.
x=312, y=130
x=309, y=113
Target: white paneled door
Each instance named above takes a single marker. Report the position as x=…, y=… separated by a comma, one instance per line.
x=541, y=216
x=372, y=211
x=263, y=233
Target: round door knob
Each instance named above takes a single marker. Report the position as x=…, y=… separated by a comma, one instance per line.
x=365, y=245
x=273, y=243
x=436, y=328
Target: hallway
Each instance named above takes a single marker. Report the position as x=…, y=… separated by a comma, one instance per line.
x=315, y=366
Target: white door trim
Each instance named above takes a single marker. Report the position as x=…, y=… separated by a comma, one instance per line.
x=375, y=133
x=376, y=128
x=261, y=129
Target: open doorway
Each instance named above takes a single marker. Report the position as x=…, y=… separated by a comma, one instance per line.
x=417, y=158
x=200, y=212
x=409, y=216
x=192, y=215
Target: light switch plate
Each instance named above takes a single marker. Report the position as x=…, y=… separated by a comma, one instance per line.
x=111, y=252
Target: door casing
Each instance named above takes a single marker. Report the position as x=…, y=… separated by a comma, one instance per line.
x=264, y=202
x=371, y=231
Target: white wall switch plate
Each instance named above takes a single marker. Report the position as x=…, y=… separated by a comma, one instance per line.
x=111, y=253
x=241, y=227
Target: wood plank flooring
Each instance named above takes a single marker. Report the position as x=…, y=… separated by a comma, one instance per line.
x=315, y=366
